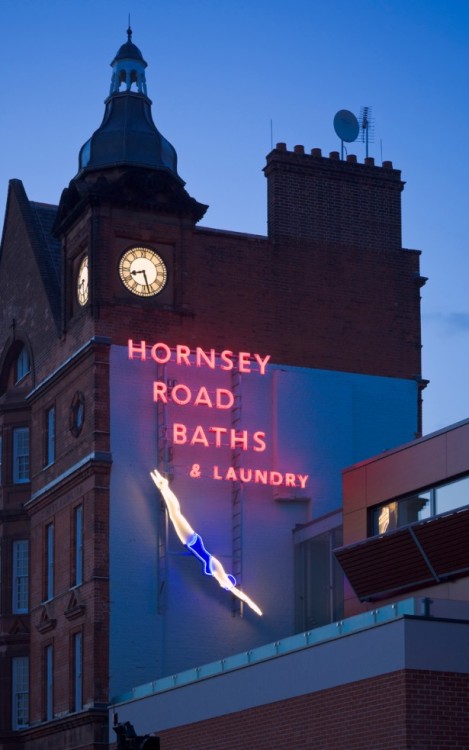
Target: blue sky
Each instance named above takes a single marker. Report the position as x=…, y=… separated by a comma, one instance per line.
x=223, y=74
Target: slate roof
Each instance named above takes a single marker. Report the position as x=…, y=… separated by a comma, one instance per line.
x=42, y=217
x=38, y=220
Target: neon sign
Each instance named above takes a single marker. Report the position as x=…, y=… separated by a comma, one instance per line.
x=220, y=399
x=194, y=543
x=162, y=354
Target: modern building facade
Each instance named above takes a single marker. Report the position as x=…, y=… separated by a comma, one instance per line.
x=247, y=370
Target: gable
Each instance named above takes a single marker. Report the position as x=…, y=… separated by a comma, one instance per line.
x=29, y=270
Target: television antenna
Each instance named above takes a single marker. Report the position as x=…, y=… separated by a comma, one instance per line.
x=346, y=127
x=367, y=127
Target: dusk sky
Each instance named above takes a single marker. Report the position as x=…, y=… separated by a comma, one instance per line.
x=228, y=79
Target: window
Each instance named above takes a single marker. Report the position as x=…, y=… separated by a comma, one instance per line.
x=77, y=655
x=50, y=435
x=319, y=581
x=419, y=506
x=48, y=683
x=22, y=364
x=452, y=496
x=20, y=691
x=20, y=455
x=77, y=413
x=49, y=587
x=20, y=576
x=78, y=545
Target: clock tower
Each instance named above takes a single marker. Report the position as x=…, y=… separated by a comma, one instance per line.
x=125, y=219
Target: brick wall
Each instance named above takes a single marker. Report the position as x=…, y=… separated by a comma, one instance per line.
x=405, y=710
x=332, y=201
x=305, y=305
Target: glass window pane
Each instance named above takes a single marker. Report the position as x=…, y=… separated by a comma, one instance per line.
x=20, y=576
x=49, y=561
x=385, y=518
x=20, y=455
x=452, y=496
x=22, y=364
x=79, y=545
x=20, y=692
x=50, y=436
x=414, y=508
x=78, y=661
x=48, y=683
x=319, y=581
x=401, y=512
x=337, y=577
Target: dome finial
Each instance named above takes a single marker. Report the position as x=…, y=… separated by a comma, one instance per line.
x=128, y=68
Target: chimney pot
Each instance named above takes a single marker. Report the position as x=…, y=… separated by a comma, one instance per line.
x=369, y=160
x=316, y=152
x=281, y=147
x=334, y=155
x=352, y=158
x=299, y=149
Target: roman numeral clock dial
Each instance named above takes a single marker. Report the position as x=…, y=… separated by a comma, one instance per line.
x=142, y=271
x=83, y=282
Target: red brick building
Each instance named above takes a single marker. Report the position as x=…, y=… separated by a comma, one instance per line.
x=329, y=294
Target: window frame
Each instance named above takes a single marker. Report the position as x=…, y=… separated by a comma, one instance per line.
x=19, y=692
x=20, y=577
x=400, y=501
x=22, y=364
x=21, y=450
x=50, y=432
x=77, y=670
x=78, y=545
x=49, y=562
x=48, y=682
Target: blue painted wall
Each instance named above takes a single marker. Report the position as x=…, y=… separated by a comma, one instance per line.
x=315, y=422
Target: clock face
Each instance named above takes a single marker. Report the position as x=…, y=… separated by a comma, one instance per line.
x=142, y=271
x=82, y=282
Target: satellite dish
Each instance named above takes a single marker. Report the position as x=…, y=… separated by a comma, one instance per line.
x=346, y=125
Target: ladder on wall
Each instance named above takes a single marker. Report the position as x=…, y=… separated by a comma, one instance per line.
x=236, y=496
x=165, y=466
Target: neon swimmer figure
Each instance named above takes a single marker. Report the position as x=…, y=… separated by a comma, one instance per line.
x=194, y=543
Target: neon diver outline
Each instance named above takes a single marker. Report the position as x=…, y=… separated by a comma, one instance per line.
x=197, y=547
x=194, y=543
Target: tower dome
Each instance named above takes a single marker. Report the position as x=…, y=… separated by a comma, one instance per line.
x=127, y=135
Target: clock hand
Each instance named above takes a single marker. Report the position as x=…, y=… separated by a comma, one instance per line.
x=146, y=280
x=134, y=273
